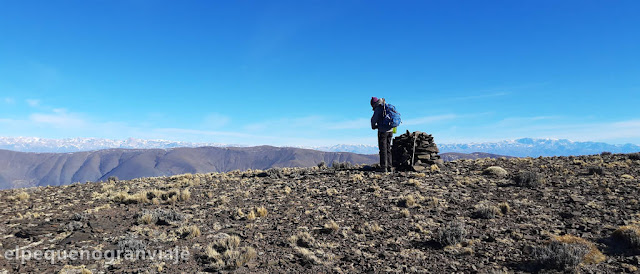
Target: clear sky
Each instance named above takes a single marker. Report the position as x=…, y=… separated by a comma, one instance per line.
x=303, y=72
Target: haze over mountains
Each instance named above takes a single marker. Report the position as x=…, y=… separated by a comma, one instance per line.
x=22, y=169
x=519, y=148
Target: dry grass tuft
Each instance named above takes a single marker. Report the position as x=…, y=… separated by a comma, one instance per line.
x=239, y=214
x=251, y=216
x=414, y=182
x=153, y=196
x=593, y=257
x=331, y=227
x=627, y=177
x=485, y=211
x=332, y=191
x=226, y=254
x=185, y=195
x=71, y=269
x=189, y=232
x=302, y=239
x=451, y=234
x=262, y=211
x=21, y=196
x=504, y=207
x=408, y=201
x=145, y=219
x=373, y=228
x=356, y=178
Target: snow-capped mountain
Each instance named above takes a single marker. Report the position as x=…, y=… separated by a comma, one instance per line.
x=539, y=147
x=520, y=147
x=525, y=147
x=35, y=144
x=360, y=149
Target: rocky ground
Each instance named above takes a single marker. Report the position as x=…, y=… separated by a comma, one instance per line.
x=486, y=216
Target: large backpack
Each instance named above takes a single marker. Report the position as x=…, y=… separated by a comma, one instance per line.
x=391, y=116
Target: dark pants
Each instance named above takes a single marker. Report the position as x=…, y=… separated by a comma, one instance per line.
x=384, y=143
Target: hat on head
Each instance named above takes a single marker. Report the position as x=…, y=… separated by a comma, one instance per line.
x=374, y=100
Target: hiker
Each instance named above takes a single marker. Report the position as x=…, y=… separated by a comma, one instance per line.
x=384, y=119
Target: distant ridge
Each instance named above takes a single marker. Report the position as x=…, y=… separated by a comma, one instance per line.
x=22, y=169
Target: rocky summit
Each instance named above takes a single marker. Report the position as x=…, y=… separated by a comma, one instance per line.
x=506, y=215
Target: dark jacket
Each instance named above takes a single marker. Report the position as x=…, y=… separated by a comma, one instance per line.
x=378, y=117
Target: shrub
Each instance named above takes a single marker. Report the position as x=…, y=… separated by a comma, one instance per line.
x=486, y=212
x=567, y=252
x=451, y=234
x=606, y=153
x=527, y=179
x=80, y=217
x=634, y=156
x=322, y=165
x=338, y=165
x=594, y=255
x=595, y=170
x=559, y=255
x=131, y=244
x=272, y=173
x=628, y=235
x=73, y=226
x=495, y=171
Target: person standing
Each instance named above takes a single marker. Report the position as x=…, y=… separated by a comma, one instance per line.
x=385, y=132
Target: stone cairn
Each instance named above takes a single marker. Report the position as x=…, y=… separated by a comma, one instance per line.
x=414, y=151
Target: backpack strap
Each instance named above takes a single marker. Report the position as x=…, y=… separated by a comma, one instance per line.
x=384, y=109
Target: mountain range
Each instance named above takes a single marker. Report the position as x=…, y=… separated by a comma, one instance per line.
x=525, y=147
x=24, y=169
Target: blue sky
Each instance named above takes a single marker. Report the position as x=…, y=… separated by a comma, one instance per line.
x=302, y=72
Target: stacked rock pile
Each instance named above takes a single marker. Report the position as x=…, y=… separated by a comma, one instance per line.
x=414, y=151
